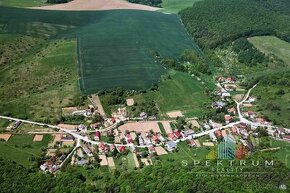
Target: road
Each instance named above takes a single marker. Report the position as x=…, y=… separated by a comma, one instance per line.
x=80, y=138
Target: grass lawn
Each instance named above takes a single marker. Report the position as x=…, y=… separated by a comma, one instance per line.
x=187, y=153
x=130, y=161
x=283, y=154
x=43, y=82
x=22, y=3
x=268, y=97
x=181, y=92
x=273, y=46
x=20, y=148
x=174, y=6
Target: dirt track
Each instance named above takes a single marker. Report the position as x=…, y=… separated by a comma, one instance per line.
x=97, y=5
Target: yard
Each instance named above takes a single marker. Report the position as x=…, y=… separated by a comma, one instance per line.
x=283, y=154
x=21, y=148
x=272, y=45
x=43, y=84
x=181, y=92
x=185, y=152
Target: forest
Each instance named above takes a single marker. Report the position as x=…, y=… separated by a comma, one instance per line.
x=154, y=3
x=214, y=22
x=170, y=177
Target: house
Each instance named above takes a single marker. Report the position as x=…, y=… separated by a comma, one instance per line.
x=16, y=124
x=171, y=145
x=112, y=147
x=143, y=115
x=87, y=150
x=98, y=135
x=187, y=132
x=286, y=137
x=177, y=134
x=235, y=130
x=67, y=138
x=102, y=147
x=129, y=138
x=161, y=138
x=155, y=139
x=218, y=133
x=83, y=162
x=95, y=125
x=81, y=127
x=250, y=114
x=212, y=136
x=151, y=149
x=171, y=136
x=218, y=105
x=141, y=140
x=121, y=148
x=191, y=143
x=228, y=118
x=232, y=111
x=44, y=166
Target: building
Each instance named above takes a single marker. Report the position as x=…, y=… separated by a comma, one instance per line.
x=171, y=145
x=98, y=135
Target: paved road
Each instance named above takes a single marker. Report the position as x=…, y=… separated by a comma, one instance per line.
x=86, y=139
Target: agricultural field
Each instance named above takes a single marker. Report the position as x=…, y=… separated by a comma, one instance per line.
x=187, y=153
x=180, y=92
x=174, y=6
x=283, y=154
x=22, y=3
x=126, y=59
x=41, y=83
x=123, y=59
x=271, y=45
x=21, y=148
x=274, y=106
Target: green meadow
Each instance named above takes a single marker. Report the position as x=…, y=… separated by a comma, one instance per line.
x=21, y=148
x=272, y=45
x=180, y=92
x=174, y=6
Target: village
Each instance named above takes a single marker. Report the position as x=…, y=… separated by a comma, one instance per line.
x=102, y=138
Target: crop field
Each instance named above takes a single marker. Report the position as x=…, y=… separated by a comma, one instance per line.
x=22, y=3
x=181, y=92
x=113, y=51
x=273, y=46
x=20, y=148
x=46, y=80
x=174, y=6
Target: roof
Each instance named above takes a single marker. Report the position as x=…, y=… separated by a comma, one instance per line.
x=122, y=148
x=98, y=133
x=171, y=144
x=218, y=133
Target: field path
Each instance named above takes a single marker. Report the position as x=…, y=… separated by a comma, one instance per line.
x=97, y=5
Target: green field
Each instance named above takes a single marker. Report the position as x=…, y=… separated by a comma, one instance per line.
x=181, y=92
x=187, y=153
x=272, y=45
x=174, y=6
x=41, y=82
x=22, y=3
x=283, y=154
x=113, y=51
x=20, y=148
x=268, y=98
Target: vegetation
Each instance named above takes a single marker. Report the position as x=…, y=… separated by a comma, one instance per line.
x=156, y=178
x=41, y=82
x=57, y=1
x=22, y=3
x=154, y=3
x=22, y=149
x=272, y=46
x=179, y=91
x=214, y=22
x=173, y=6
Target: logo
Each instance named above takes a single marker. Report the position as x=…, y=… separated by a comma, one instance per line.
x=228, y=150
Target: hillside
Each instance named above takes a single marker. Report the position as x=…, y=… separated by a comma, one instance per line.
x=214, y=22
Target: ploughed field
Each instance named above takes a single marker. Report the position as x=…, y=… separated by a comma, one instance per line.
x=115, y=48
